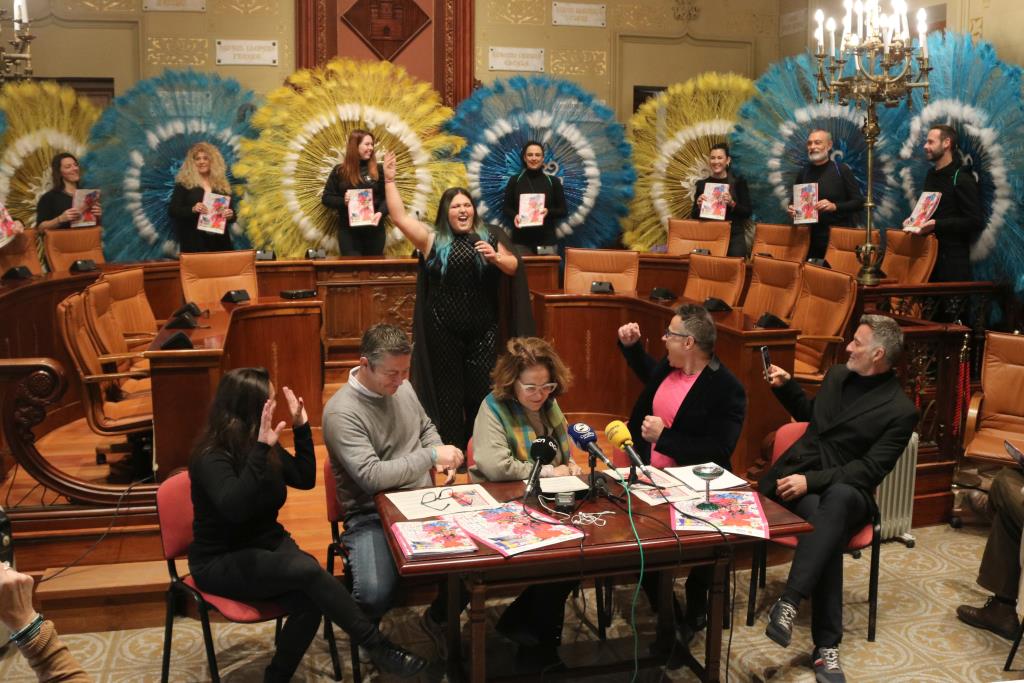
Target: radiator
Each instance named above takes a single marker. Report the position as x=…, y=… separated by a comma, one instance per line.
x=896, y=496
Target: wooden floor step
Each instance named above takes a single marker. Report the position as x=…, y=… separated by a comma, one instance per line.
x=105, y=597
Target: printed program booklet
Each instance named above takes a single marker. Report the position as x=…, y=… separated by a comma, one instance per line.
x=86, y=201
x=214, y=219
x=531, y=209
x=6, y=226
x=714, y=205
x=923, y=210
x=432, y=537
x=739, y=513
x=510, y=530
x=805, y=199
x=360, y=208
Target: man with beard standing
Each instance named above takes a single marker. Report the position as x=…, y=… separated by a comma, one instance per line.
x=839, y=198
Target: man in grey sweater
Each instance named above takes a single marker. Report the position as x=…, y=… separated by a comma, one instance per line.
x=379, y=438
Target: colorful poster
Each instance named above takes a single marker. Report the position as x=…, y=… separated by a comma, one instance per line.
x=85, y=201
x=714, y=205
x=432, y=537
x=510, y=530
x=531, y=209
x=739, y=512
x=923, y=210
x=214, y=219
x=360, y=208
x=7, y=227
x=805, y=200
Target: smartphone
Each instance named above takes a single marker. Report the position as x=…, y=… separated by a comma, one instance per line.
x=766, y=361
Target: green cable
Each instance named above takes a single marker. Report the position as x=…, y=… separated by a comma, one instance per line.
x=636, y=592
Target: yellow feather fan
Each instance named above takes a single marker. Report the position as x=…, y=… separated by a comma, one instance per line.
x=672, y=135
x=304, y=128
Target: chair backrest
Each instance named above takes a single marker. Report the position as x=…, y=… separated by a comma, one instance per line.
x=583, y=266
x=790, y=242
x=128, y=300
x=715, y=276
x=100, y=320
x=331, y=492
x=785, y=436
x=841, y=253
x=687, y=234
x=1002, y=381
x=65, y=246
x=174, y=510
x=774, y=287
x=909, y=258
x=205, y=277
x=823, y=308
x=21, y=251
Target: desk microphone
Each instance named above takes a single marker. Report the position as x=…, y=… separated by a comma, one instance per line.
x=585, y=439
x=542, y=452
x=619, y=436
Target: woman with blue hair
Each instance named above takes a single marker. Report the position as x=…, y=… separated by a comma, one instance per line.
x=463, y=269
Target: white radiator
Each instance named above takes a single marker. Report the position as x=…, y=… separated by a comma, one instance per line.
x=896, y=496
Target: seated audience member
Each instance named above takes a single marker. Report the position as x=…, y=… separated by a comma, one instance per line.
x=54, y=209
x=378, y=438
x=35, y=637
x=240, y=476
x=202, y=172
x=1000, y=564
x=520, y=408
x=860, y=423
x=690, y=411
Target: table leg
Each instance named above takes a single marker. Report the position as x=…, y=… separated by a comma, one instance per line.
x=716, y=608
x=453, y=635
x=478, y=632
x=665, y=630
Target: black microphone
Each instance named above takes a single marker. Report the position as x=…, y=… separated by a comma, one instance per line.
x=542, y=452
x=619, y=436
x=190, y=308
x=585, y=439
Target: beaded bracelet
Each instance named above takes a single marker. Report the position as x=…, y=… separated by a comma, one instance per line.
x=29, y=632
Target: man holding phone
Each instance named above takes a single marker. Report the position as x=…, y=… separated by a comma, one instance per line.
x=859, y=424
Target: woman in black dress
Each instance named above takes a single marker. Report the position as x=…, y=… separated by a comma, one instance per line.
x=240, y=476
x=462, y=265
x=358, y=171
x=533, y=180
x=737, y=199
x=204, y=171
x=54, y=207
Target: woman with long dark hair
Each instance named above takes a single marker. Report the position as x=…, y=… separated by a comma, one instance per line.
x=533, y=180
x=462, y=265
x=357, y=171
x=240, y=476
x=54, y=208
x=737, y=199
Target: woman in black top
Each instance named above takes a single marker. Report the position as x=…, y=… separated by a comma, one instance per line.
x=358, y=171
x=533, y=180
x=204, y=171
x=54, y=207
x=737, y=200
x=239, y=478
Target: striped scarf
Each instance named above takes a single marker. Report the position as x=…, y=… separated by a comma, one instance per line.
x=520, y=433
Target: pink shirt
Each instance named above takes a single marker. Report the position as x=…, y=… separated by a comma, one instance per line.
x=667, y=399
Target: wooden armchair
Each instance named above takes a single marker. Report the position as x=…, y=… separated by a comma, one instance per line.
x=583, y=266
x=21, y=251
x=789, y=242
x=205, y=277
x=687, y=234
x=65, y=246
x=909, y=258
x=996, y=413
x=774, y=287
x=841, y=253
x=721, y=277
x=822, y=312
x=130, y=306
x=109, y=340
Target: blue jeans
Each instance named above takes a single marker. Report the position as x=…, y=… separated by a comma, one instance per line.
x=374, y=575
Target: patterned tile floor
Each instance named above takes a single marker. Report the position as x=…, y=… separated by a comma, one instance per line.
x=919, y=638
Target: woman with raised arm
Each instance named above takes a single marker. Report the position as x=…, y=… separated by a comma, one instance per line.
x=357, y=171
x=463, y=266
x=240, y=476
x=204, y=171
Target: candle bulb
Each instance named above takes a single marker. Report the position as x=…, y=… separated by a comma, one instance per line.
x=831, y=26
x=858, y=8
x=886, y=25
x=922, y=38
x=819, y=34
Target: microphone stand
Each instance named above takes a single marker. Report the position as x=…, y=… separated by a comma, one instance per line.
x=592, y=480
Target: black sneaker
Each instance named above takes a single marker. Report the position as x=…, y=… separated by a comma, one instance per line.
x=780, y=622
x=392, y=659
x=826, y=666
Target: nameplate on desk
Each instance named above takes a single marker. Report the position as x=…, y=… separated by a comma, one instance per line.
x=17, y=273
x=83, y=265
x=184, y=321
x=601, y=287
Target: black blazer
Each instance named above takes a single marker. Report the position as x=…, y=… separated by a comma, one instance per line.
x=857, y=445
x=708, y=422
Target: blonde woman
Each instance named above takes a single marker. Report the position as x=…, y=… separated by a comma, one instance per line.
x=204, y=171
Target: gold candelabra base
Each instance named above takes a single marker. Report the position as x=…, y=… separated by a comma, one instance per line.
x=869, y=256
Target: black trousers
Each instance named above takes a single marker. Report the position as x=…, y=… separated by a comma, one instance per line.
x=367, y=240
x=295, y=579
x=817, y=570
x=698, y=583
x=819, y=241
x=1000, y=564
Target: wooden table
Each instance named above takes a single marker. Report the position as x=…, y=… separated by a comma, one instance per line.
x=604, y=551
x=281, y=335
x=583, y=329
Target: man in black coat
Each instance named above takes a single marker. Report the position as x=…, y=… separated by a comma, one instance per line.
x=859, y=424
x=691, y=410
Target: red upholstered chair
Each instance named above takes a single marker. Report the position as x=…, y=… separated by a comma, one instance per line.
x=337, y=548
x=869, y=535
x=174, y=510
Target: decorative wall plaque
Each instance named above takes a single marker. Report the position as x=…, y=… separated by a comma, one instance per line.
x=578, y=14
x=516, y=59
x=386, y=26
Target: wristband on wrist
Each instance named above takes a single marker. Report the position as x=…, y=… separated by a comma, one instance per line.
x=28, y=632
x=433, y=455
